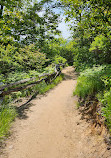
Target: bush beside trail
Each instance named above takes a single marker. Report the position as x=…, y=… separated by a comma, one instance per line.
x=93, y=85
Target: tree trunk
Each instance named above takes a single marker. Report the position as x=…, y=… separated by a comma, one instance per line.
x=1, y=11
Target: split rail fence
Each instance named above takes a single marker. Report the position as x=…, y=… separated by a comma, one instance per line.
x=27, y=83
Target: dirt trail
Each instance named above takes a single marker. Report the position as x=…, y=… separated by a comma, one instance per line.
x=53, y=128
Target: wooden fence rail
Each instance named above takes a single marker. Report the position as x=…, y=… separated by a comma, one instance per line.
x=29, y=82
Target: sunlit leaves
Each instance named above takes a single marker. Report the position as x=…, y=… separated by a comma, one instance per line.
x=91, y=29
x=14, y=59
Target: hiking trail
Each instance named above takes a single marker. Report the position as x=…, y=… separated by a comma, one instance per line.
x=53, y=128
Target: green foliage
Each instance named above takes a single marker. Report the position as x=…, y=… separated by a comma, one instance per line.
x=21, y=23
x=58, y=59
x=90, y=25
x=9, y=26
x=17, y=76
x=7, y=115
x=69, y=52
x=98, y=43
x=90, y=82
x=49, y=68
x=58, y=79
x=30, y=58
x=105, y=99
x=82, y=58
x=60, y=47
x=23, y=59
x=107, y=108
x=7, y=59
x=101, y=48
x=44, y=87
x=96, y=82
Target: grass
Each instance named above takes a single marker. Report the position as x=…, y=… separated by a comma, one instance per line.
x=96, y=82
x=105, y=99
x=8, y=113
x=78, y=105
x=90, y=82
x=44, y=88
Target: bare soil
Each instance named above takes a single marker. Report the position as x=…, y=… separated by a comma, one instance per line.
x=53, y=128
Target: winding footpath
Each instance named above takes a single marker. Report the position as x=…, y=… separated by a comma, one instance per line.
x=53, y=128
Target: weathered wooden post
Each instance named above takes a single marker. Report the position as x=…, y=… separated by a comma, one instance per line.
x=57, y=68
x=1, y=98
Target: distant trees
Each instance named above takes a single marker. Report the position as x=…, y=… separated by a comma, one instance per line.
x=91, y=28
x=60, y=47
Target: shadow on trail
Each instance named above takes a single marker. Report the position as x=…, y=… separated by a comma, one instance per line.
x=22, y=110
x=70, y=75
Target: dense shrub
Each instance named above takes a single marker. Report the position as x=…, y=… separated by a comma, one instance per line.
x=106, y=101
x=100, y=47
x=83, y=59
x=22, y=59
x=90, y=82
x=59, y=59
x=8, y=60
x=96, y=82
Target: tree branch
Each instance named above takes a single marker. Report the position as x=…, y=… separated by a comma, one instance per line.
x=1, y=11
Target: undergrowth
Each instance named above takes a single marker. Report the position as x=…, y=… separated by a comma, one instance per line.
x=90, y=82
x=96, y=83
x=7, y=115
x=43, y=87
x=15, y=76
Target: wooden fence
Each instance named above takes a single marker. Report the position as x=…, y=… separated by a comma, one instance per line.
x=27, y=83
